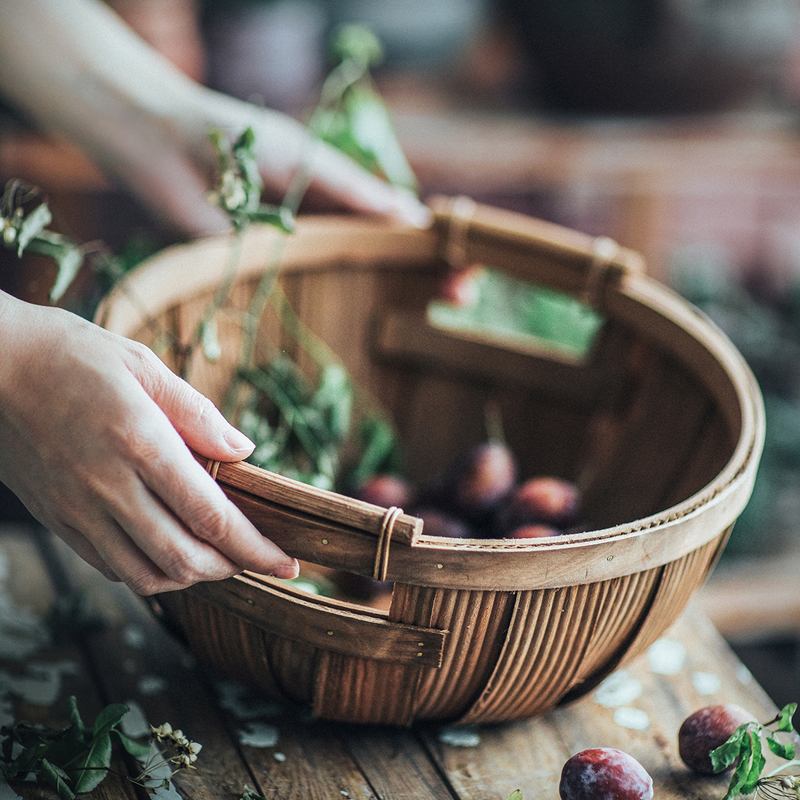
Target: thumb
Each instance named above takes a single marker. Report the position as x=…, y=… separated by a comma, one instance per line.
x=197, y=420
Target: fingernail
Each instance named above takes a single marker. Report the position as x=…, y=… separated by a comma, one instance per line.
x=287, y=571
x=238, y=442
x=413, y=211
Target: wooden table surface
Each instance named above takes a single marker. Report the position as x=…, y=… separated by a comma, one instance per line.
x=281, y=752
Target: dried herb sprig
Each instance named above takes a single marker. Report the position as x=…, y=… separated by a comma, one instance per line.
x=744, y=749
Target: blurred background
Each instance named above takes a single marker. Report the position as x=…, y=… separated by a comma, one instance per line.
x=668, y=125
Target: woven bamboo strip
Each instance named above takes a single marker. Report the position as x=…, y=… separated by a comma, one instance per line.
x=359, y=690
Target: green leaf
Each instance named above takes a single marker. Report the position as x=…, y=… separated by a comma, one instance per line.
x=757, y=764
x=356, y=42
x=372, y=130
x=109, y=717
x=27, y=761
x=727, y=753
x=75, y=715
x=57, y=779
x=138, y=750
x=515, y=795
x=94, y=766
x=32, y=226
x=380, y=449
x=781, y=749
x=249, y=794
x=787, y=712
x=742, y=771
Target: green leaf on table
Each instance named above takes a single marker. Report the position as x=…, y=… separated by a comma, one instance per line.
x=787, y=712
x=781, y=749
x=58, y=780
x=515, y=795
x=726, y=754
x=94, y=766
x=757, y=764
x=75, y=715
x=109, y=718
x=742, y=771
x=138, y=750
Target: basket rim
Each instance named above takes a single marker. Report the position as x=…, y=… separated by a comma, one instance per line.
x=628, y=295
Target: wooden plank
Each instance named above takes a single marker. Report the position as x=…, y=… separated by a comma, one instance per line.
x=755, y=599
x=137, y=662
x=39, y=671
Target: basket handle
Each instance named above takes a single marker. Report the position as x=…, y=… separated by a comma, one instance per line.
x=531, y=249
x=313, y=524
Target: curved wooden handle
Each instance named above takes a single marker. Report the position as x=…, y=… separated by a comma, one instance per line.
x=314, y=524
x=531, y=249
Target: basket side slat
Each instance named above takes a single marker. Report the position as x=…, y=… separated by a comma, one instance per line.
x=543, y=651
x=359, y=690
x=329, y=627
x=477, y=623
x=681, y=580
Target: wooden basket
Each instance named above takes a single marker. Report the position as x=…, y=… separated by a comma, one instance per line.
x=662, y=426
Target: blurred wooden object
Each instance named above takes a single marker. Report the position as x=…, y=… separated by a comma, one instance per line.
x=653, y=184
x=756, y=600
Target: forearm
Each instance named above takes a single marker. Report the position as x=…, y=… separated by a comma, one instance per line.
x=56, y=52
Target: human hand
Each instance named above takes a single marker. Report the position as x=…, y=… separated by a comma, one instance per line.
x=78, y=70
x=93, y=439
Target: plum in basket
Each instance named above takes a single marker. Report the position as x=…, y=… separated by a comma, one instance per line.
x=386, y=490
x=544, y=499
x=475, y=484
x=604, y=773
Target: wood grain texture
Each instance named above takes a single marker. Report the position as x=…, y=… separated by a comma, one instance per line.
x=280, y=751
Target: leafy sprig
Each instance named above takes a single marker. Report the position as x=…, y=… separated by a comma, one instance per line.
x=239, y=188
x=351, y=114
x=24, y=220
x=745, y=749
x=76, y=758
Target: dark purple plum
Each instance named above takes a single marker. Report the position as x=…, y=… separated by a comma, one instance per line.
x=543, y=499
x=359, y=587
x=604, y=773
x=535, y=530
x=476, y=483
x=385, y=490
x=705, y=730
x=440, y=523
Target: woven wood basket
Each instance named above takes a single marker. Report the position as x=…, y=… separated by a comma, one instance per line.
x=662, y=426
